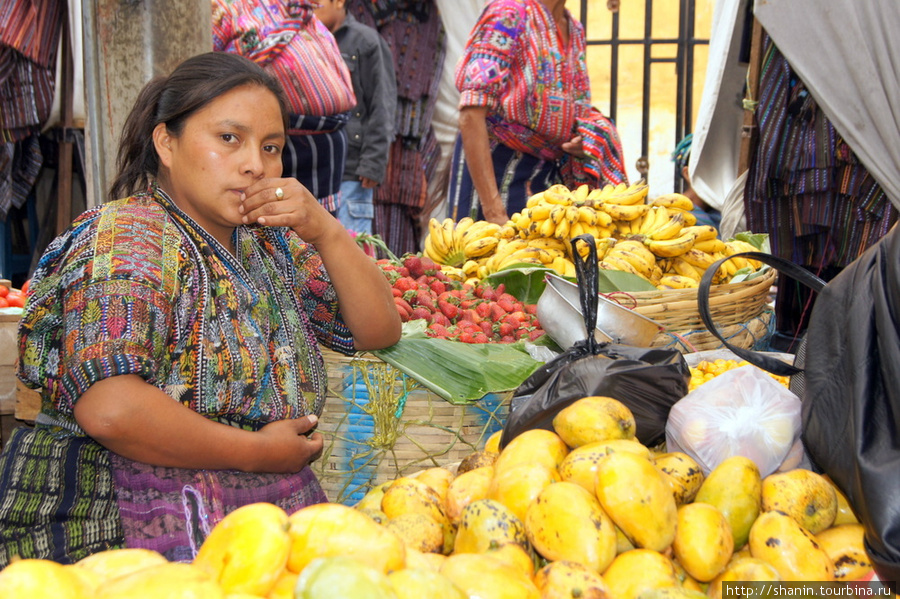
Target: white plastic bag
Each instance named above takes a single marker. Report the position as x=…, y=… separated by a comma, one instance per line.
x=744, y=412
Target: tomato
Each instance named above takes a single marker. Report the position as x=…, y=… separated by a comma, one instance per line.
x=3, y=303
x=25, y=287
x=15, y=299
x=4, y=290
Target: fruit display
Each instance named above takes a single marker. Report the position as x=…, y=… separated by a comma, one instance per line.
x=452, y=309
x=11, y=297
x=517, y=523
x=656, y=239
x=706, y=370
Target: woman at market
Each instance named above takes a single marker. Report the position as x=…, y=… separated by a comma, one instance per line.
x=174, y=332
x=526, y=120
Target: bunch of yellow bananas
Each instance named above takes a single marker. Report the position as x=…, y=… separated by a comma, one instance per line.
x=551, y=214
x=736, y=246
x=542, y=251
x=632, y=256
x=452, y=243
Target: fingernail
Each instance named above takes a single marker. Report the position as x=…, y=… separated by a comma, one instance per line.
x=313, y=419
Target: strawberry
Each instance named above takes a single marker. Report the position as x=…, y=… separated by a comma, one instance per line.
x=426, y=300
x=467, y=337
x=486, y=327
x=530, y=309
x=438, y=286
x=438, y=330
x=480, y=338
x=507, y=339
x=420, y=313
x=470, y=315
x=396, y=292
x=483, y=309
x=405, y=284
x=533, y=334
x=506, y=329
x=507, y=302
x=497, y=312
x=413, y=263
x=448, y=309
x=440, y=318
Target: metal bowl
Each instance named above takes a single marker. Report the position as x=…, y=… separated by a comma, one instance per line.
x=559, y=312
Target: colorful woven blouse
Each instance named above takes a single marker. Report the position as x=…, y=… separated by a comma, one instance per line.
x=294, y=46
x=136, y=287
x=537, y=89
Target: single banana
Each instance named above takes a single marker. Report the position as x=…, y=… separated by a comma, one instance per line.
x=562, y=229
x=654, y=219
x=669, y=229
x=587, y=215
x=523, y=256
x=577, y=228
x=558, y=214
x=690, y=219
x=703, y=232
x=628, y=195
x=547, y=228
x=698, y=259
x=677, y=282
x=470, y=268
x=673, y=200
x=627, y=212
x=681, y=267
x=463, y=224
x=581, y=193
x=736, y=245
x=534, y=199
x=507, y=231
x=559, y=194
x=710, y=245
x=522, y=219
x=541, y=211
x=549, y=243
x=669, y=248
x=429, y=250
x=480, y=247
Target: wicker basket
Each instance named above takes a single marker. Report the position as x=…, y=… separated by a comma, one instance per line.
x=740, y=310
x=379, y=425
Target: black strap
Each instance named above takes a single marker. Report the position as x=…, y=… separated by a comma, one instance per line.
x=587, y=274
x=796, y=272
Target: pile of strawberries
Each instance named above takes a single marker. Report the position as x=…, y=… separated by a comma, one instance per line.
x=454, y=310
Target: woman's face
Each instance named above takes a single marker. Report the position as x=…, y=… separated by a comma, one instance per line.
x=232, y=142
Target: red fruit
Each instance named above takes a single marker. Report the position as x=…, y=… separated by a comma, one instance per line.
x=497, y=312
x=414, y=264
x=480, y=338
x=486, y=327
x=403, y=305
x=437, y=330
x=404, y=272
x=507, y=302
x=467, y=337
x=506, y=329
x=507, y=339
x=429, y=266
x=3, y=302
x=470, y=315
x=4, y=290
x=420, y=313
x=535, y=333
x=439, y=318
x=396, y=292
x=438, y=287
x=530, y=309
x=448, y=309
x=405, y=284
x=483, y=309
x=426, y=300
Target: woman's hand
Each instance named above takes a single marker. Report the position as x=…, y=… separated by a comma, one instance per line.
x=574, y=147
x=289, y=445
x=285, y=202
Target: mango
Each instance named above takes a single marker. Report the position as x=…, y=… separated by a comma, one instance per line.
x=41, y=579
x=476, y=459
x=580, y=465
x=637, y=571
x=466, y=488
x=687, y=581
x=372, y=498
x=515, y=555
x=744, y=568
x=376, y=515
x=485, y=523
x=686, y=472
x=484, y=577
x=171, y=580
x=735, y=488
x=594, y=418
x=418, y=583
x=793, y=551
x=492, y=445
x=332, y=529
x=437, y=478
x=247, y=550
x=534, y=446
x=409, y=495
x=844, y=545
x=845, y=514
x=517, y=486
x=284, y=586
x=118, y=562
x=566, y=522
x=673, y=593
x=638, y=500
x=418, y=532
x=417, y=560
x=803, y=495
x=568, y=580
x=703, y=543
x=344, y=577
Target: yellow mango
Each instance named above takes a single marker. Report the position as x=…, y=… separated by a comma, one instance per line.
x=687, y=581
x=90, y=580
x=466, y=488
x=492, y=445
x=744, y=568
x=409, y=495
x=637, y=571
x=735, y=488
x=517, y=486
x=417, y=560
x=566, y=522
x=438, y=479
x=803, y=495
x=684, y=470
x=417, y=584
x=41, y=579
x=580, y=465
x=845, y=513
x=476, y=459
x=594, y=418
x=673, y=593
x=118, y=562
x=534, y=446
x=247, y=550
x=483, y=577
x=515, y=555
x=638, y=499
x=844, y=545
x=376, y=515
x=485, y=523
x=623, y=543
x=344, y=577
x=418, y=532
x=567, y=580
x=171, y=580
x=284, y=586
x=793, y=551
x=329, y=529
x=703, y=544
x=372, y=498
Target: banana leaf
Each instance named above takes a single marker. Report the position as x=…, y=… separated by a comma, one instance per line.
x=460, y=373
x=524, y=281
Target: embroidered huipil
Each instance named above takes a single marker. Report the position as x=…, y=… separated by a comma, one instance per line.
x=292, y=45
x=535, y=87
x=136, y=287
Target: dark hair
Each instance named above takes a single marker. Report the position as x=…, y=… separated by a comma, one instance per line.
x=172, y=100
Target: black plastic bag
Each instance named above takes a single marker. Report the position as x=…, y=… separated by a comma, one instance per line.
x=851, y=400
x=647, y=380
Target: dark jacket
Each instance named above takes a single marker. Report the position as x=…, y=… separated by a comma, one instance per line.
x=370, y=130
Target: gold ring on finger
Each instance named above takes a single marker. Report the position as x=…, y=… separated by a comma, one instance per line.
x=279, y=194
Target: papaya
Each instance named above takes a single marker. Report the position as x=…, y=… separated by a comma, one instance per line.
x=803, y=495
x=418, y=583
x=565, y=579
x=466, y=488
x=844, y=545
x=534, y=446
x=566, y=522
x=517, y=486
x=778, y=539
x=342, y=576
x=734, y=486
x=637, y=571
x=172, y=580
x=743, y=568
x=479, y=575
x=580, y=465
x=703, y=544
x=684, y=470
x=41, y=579
x=485, y=523
x=638, y=500
x=330, y=529
x=247, y=550
x=594, y=418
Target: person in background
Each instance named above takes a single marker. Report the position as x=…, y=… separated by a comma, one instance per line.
x=174, y=333
x=370, y=129
x=287, y=39
x=706, y=214
x=526, y=119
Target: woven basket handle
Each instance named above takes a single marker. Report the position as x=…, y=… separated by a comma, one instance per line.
x=587, y=274
x=796, y=272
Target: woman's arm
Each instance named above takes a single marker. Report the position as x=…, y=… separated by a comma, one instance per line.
x=130, y=417
x=477, y=149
